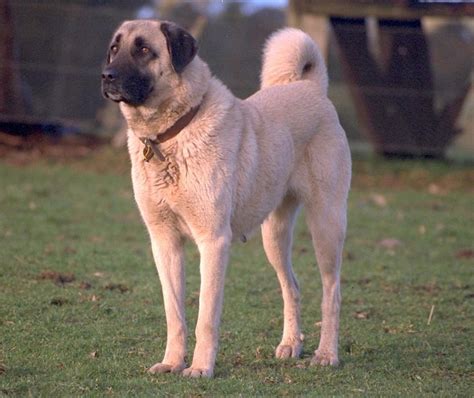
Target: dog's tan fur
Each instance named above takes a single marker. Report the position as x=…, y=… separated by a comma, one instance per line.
x=240, y=164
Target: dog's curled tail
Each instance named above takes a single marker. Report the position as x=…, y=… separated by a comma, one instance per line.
x=290, y=55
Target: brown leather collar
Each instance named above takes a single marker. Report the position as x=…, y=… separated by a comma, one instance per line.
x=152, y=146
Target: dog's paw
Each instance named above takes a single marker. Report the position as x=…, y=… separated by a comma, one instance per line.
x=196, y=372
x=324, y=358
x=289, y=350
x=166, y=368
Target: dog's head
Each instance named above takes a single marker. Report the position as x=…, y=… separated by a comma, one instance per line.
x=142, y=56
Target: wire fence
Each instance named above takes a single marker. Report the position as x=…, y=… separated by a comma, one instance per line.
x=59, y=51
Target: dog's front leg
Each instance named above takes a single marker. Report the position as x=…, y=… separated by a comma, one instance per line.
x=168, y=254
x=214, y=252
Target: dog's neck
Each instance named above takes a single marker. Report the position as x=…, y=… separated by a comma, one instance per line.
x=152, y=144
x=149, y=122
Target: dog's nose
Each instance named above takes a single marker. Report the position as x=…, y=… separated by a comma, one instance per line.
x=109, y=74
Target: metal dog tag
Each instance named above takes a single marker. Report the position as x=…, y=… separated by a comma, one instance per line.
x=151, y=149
x=147, y=153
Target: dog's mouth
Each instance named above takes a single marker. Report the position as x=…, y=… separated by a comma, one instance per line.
x=113, y=96
x=133, y=96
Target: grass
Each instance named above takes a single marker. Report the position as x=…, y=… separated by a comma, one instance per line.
x=81, y=310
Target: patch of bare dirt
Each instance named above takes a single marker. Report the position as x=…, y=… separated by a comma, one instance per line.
x=20, y=150
x=454, y=177
x=59, y=278
x=118, y=287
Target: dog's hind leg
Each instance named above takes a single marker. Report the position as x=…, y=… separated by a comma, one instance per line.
x=328, y=237
x=323, y=185
x=277, y=233
x=326, y=218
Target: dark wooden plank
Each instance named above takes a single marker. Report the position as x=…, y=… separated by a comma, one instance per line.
x=11, y=100
x=389, y=9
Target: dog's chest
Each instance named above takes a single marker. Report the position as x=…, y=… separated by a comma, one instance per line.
x=162, y=174
x=165, y=192
x=152, y=172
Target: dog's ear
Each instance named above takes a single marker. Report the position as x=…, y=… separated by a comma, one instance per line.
x=182, y=47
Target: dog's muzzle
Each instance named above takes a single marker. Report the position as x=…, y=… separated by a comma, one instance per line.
x=126, y=84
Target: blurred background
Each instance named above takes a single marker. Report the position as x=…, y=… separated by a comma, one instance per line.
x=400, y=70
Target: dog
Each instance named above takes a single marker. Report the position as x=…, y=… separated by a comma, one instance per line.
x=213, y=168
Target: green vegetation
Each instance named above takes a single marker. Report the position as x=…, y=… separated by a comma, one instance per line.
x=81, y=309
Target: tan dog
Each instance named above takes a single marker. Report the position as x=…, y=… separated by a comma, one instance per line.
x=212, y=167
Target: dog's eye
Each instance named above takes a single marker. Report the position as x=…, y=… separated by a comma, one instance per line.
x=145, y=50
x=114, y=48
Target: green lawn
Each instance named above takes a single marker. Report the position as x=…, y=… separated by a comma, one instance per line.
x=81, y=309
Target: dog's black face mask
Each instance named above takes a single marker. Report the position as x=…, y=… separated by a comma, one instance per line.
x=125, y=76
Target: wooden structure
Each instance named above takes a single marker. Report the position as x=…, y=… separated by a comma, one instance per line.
x=11, y=99
x=392, y=86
